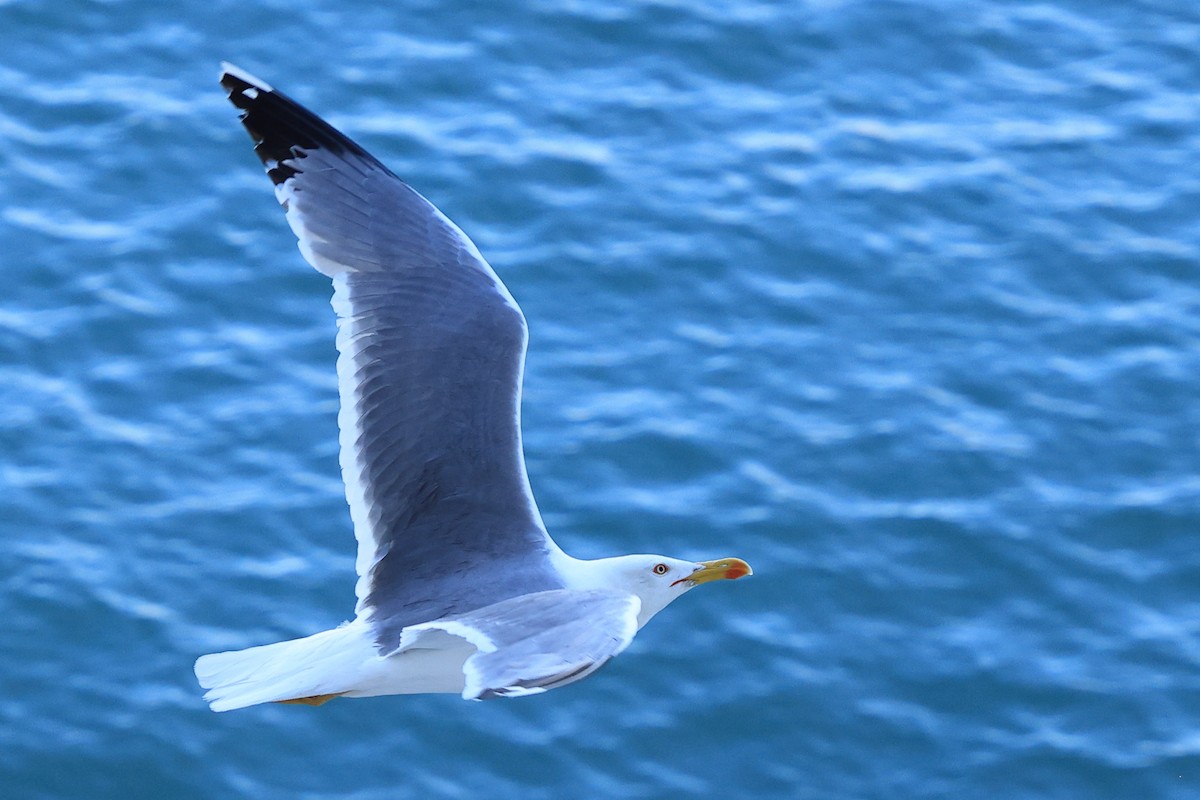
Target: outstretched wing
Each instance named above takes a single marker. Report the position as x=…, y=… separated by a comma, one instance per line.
x=432, y=350
x=535, y=642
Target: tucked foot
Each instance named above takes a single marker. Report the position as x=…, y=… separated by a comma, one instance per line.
x=315, y=700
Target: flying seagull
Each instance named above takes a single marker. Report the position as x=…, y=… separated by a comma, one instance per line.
x=460, y=588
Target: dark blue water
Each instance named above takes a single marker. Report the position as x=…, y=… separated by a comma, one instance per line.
x=899, y=301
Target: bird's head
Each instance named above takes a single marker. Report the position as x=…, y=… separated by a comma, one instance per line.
x=657, y=580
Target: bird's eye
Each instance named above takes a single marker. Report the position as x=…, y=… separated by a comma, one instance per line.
x=661, y=569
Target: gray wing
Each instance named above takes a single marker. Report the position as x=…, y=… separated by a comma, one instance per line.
x=432, y=350
x=535, y=642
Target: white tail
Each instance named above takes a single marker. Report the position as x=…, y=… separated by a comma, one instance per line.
x=324, y=663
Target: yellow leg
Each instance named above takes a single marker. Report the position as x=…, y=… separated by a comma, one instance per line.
x=315, y=700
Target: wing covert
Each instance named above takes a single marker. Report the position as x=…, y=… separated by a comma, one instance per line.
x=536, y=642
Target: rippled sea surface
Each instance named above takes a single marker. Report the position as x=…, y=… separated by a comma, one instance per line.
x=898, y=301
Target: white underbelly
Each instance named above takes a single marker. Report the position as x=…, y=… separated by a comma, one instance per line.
x=416, y=671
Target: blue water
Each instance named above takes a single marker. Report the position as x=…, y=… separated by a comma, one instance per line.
x=898, y=301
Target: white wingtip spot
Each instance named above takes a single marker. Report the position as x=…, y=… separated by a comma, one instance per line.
x=241, y=74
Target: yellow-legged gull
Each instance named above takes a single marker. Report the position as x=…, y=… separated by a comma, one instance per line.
x=460, y=588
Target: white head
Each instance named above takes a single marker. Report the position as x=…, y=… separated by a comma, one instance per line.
x=656, y=580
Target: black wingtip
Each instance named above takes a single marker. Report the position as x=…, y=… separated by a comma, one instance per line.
x=282, y=128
